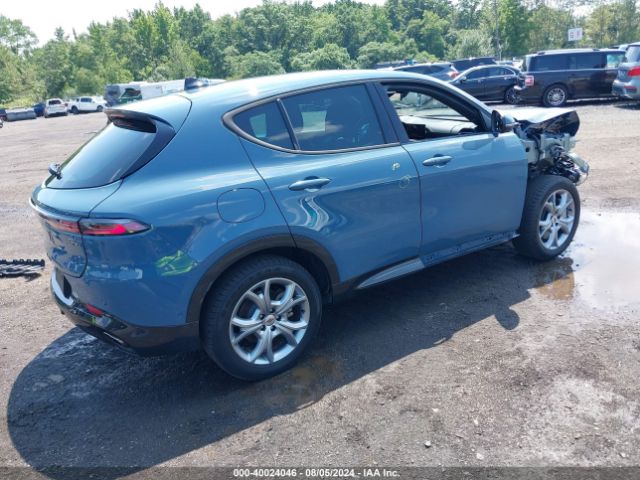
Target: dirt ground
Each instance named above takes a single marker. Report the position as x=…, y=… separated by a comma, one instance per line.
x=488, y=360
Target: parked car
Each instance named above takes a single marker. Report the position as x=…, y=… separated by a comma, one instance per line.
x=553, y=77
x=490, y=83
x=54, y=107
x=86, y=104
x=20, y=113
x=442, y=71
x=467, y=63
x=39, y=109
x=627, y=84
x=226, y=217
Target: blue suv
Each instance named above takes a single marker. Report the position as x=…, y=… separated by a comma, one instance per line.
x=225, y=218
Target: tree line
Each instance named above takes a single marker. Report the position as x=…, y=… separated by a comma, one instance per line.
x=277, y=37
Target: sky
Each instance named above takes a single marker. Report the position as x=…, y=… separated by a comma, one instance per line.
x=43, y=16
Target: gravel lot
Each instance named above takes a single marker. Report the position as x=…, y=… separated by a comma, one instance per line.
x=493, y=359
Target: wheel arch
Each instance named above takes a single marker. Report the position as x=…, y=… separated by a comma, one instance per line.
x=311, y=255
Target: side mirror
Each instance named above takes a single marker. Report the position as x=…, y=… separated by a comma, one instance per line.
x=508, y=123
x=462, y=80
x=496, y=123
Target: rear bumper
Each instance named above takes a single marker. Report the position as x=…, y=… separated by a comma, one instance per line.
x=629, y=90
x=144, y=341
x=528, y=94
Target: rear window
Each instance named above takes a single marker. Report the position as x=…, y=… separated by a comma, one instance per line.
x=55, y=102
x=633, y=54
x=105, y=158
x=548, y=62
x=266, y=124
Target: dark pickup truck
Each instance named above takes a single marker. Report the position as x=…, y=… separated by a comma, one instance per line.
x=555, y=76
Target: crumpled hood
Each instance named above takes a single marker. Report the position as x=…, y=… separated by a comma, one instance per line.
x=551, y=120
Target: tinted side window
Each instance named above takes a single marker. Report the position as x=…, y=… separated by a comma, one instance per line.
x=633, y=54
x=499, y=71
x=334, y=119
x=477, y=74
x=614, y=59
x=265, y=123
x=549, y=62
x=586, y=61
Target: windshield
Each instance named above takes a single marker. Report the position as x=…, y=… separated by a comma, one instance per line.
x=633, y=54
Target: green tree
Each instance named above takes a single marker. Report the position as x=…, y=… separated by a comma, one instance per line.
x=329, y=57
x=550, y=28
x=471, y=43
x=16, y=36
x=254, y=64
x=54, y=64
x=429, y=32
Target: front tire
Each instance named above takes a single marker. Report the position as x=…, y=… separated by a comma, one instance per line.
x=550, y=217
x=260, y=317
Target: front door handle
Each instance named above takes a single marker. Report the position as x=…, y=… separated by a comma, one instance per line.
x=310, y=183
x=437, y=161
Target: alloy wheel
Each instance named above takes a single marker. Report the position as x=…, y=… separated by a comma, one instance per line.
x=556, y=219
x=556, y=96
x=269, y=321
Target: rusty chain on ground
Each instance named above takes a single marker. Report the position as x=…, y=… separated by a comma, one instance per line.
x=20, y=268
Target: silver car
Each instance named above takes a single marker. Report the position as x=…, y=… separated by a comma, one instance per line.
x=627, y=85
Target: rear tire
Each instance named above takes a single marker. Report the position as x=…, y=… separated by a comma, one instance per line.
x=74, y=110
x=550, y=217
x=555, y=96
x=511, y=96
x=253, y=336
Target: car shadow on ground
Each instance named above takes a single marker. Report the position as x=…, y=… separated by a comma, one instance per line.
x=83, y=403
x=629, y=104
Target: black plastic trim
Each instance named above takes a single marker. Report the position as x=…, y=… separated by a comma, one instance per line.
x=164, y=134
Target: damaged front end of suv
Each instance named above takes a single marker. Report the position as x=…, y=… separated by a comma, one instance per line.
x=548, y=137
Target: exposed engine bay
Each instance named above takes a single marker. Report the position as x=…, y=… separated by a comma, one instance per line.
x=548, y=136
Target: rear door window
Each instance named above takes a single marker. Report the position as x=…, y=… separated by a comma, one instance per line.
x=586, y=61
x=334, y=119
x=265, y=123
x=549, y=62
x=614, y=59
x=633, y=54
x=478, y=74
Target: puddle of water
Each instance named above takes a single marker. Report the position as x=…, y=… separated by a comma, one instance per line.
x=602, y=265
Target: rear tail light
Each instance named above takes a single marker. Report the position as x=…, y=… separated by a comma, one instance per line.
x=108, y=227
x=95, y=227
x=68, y=226
x=529, y=80
x=634, y=72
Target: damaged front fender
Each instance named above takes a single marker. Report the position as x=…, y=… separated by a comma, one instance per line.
x=548, y=136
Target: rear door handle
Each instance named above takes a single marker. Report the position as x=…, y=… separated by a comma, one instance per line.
x=437, y=161
x=311, y=183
